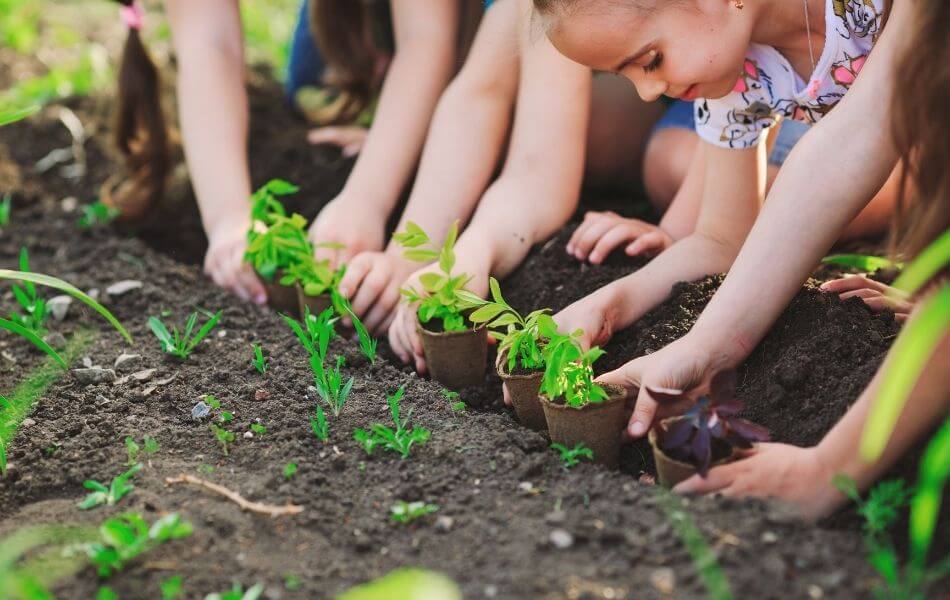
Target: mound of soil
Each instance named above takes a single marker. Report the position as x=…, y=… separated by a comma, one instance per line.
x=512, y=522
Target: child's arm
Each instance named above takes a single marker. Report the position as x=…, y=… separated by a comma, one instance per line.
x=461, y=152
x=824, y=184
x=214, y=115
x=539, y=185
x=802, y=476
x=732, y=193
x=426, y=36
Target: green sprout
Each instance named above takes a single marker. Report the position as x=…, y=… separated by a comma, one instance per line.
x=520, y=338
x=315, y=332
x=403, y=512
x=6, y=207
x=292, y=581
x=237, y=593
x=259, y=362
x=279, y=246
x=265, y=205
x=106, y=593
x=367, y=342
x=183, y=344
x=571, y=457
x=329, y=383
x=862, y=262
x=458, y=405
x=569, y=371
x=172, y=588
x=133, y=449
x=127, y=536
x=110, y=496
x=318, y=423
x=316, y=277
x=258, y=429
x=441, y=297
x=95, y=214
x=290, y=469
x=399, y=440
x=225, y=438
x=34, y=315
x=9, y=116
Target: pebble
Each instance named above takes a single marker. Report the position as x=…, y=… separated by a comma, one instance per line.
x=222, y=333
x=56, y=340
x=58, y=306
x=664, y=580
x=143, y=375
x=101, y=400
x=94, y=375
x=261, y=395
x=525, y=486
x=123, y=287
x=200, y=411
x=248, y=435
x=444, y=524
x=769, y=537
x=561, y=539
x=491, y=590
x=86, y=362
x=94, y=293
x=28, y=422
x=69, y=204
x=556, y=517
x=126, y=362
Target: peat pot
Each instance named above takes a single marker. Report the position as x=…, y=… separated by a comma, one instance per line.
x=456, y=359
x=597, y=426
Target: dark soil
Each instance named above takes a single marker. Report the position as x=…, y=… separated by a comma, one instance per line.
x=496, y=482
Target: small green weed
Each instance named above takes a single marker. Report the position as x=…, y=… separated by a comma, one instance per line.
x=111, y=495
x=403, y=512
x=172, y=588
x=571, y=457
x=127, y=536
x=290, y=469
x=259, y=362
x=96, y=214
x=399, y=440
x=318, y=423
x=132, y=449
x=181, y=345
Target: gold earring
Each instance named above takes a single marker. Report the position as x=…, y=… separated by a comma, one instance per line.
x=739, y=4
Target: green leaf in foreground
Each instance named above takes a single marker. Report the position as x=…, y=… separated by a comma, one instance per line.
x=862, y=262
x=406, y=584
x=12, y=116
x=923, y=268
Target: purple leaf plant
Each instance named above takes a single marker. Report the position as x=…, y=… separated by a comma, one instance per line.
x=712, y=420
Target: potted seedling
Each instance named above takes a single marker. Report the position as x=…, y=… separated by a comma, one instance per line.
x=578, y=410
x=520, y=342
x=707, y=434
x=314, y=281
x=275, y=243
x=455, y=351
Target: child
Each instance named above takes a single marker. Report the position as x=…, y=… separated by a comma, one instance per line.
x=512, y=80
x=692, y=50
x=213, y=110
x=807, y=209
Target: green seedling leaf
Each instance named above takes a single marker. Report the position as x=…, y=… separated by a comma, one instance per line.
x=862, y=262
x=290, y=469
x=258, y=429
x=399, y=440
x=366, y=341
x=571, y=457
x=406, y=584
x=33, y=339
x=181, y=345
x=925, y=267
x=403, y=512
x=111, y=495
x=259, y=362
x=318, y=423
x=8, y=117
x=127, y=536
x=172, y=588
x=237, y=593
x=926, y=503
x=95, y=214
x=6, y=208
x=225, y=438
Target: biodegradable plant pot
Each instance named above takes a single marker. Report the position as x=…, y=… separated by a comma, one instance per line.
x=671, y=471
x=597, y=426
x=316, y=304
x=456, y=359
x=282, y=298
x=523, y=390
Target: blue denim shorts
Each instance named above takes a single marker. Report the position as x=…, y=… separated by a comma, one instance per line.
x=680, y=114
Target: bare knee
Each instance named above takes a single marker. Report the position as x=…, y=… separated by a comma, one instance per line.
x=666, y=162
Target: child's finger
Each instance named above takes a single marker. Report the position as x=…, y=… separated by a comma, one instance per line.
x=589, y=237
x=371, y=289
x=249, y=282
x=717, y=479
x=882, y=303
x=615, y=236
x=383, y=307
x=356, y=271
x=859, y=293
x=321, y=253
x=590, y=218
x=852, y=282
x=506, y=395
x=653, y=241
x=351, y=150
x=397, y=341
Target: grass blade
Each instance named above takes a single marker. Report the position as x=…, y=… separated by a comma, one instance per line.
x=927, y=264
x=862, y=262
x=34, y=339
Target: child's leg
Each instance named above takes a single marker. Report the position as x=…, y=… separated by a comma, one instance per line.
x=305, y=67
x=669, y=154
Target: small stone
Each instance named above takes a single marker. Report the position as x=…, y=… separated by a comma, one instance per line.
x=248, y=435
x=94, y=375
x=525, y=486
x=815, y=592
x=556, y=517
x=123, y=287
x=126, y=362
x=143, y=375
x=769, y=537
x=444, y=524
x=561, y=539
x=56, y=340
x=28, y=422
x=222, y=333
x=664, y=580
x=261, y=395
x=101, y=400
x=87, y=362
x=491, y=591
x=311, y=391
x=94, y=293
x=200, y=411
x=58, y=306
x=69, y=204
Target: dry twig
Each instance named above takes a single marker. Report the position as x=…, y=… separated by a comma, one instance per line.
x=266, y=509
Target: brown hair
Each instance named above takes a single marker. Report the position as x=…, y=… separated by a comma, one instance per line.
x=351, y=35
x=140, y=131
x=921, y=129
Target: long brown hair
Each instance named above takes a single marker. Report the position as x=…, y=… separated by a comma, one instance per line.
x=921, y=129
x=352, y=35
x=140, y=131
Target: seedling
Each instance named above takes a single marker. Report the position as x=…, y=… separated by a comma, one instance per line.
x=215, y=404
x=458, y=405
x=569, y=371
x=266, y=208
x=440, y=297
x=366, y=341
x=292, y=581
x=5, y=209
x=127, y=536
x=399, y=440
x=710, y=427
x=111, y=495
x=863, y=262
x=34, y=315
x=237, y=593
x=320, y=330
x=316, y=277
x=258, y=429
x=403, y=512
x=571, y=457
x=95, y=214
x=106, y=593
x=277, y=246
x=318, y=423
x=172, y=588
x=259, y=362
x=225, y=438
x=290, y=469
x=329, y=383
x=133, y=449
x=522, y=338
x=181, y=345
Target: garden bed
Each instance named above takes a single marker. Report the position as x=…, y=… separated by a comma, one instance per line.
x=512, y=522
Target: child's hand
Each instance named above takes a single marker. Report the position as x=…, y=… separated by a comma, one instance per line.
x=349, y=138
x=876, y=295
x=602, y=232
x=796, y=476
x=343, y=222
x=372, y=283
x=591, y=315
x=224, y=262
